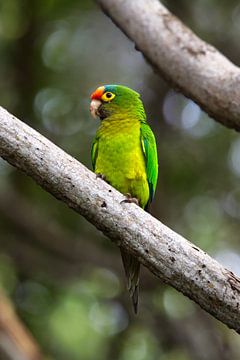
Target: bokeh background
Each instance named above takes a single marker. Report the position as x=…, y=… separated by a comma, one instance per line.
x=64, y=278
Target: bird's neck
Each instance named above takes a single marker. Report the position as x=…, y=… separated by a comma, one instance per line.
x=125, y=122
x=127, y=115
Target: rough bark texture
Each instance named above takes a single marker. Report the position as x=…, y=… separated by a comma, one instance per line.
x=165, y=253
x=192, y=66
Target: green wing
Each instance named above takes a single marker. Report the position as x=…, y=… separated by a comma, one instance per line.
x=150, y=152
x=94, y=153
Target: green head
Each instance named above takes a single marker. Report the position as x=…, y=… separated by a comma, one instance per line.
x=119, y=100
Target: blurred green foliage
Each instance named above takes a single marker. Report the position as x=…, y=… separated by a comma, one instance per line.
x=64, y=278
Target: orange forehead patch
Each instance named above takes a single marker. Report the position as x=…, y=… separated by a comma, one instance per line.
x=97, y=94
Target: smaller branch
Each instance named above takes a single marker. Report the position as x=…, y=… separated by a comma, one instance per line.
x=15, y=340
x=189, y=64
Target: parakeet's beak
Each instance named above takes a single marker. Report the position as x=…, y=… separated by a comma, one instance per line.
x=94, y=106
x=96, y=102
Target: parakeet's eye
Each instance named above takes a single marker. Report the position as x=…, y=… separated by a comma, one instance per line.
x=108, y=96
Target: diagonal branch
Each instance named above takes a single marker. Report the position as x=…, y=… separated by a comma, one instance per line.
x=164, y=252
x=189, y=64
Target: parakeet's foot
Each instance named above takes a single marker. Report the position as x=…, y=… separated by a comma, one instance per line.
x=101, y=176
x=130, y=199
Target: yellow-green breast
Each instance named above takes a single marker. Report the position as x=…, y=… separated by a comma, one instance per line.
x=120, y=158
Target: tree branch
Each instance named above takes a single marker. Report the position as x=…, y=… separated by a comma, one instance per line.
x=15, y=340
x=164, y=252
x=191, y=65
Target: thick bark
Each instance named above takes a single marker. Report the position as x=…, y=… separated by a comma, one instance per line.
x=191, y=65
x=164, y=252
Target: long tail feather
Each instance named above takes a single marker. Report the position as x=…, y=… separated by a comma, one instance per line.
x=132, y=269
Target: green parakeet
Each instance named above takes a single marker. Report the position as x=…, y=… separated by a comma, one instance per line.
x=124, y=152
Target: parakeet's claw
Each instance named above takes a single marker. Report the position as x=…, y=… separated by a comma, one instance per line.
x=101, y=176
x=130, y=199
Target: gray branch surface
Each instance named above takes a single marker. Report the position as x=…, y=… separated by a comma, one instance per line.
x=191, y=65
x=167, y=254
